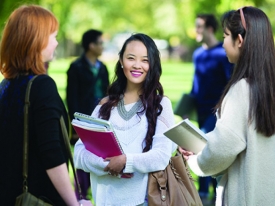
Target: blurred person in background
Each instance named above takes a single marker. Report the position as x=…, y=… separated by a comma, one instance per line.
x=212, y=73
x=87, y=83
x=47, y=65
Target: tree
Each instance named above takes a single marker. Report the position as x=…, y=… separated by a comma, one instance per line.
x=163, y=19
x=7, y=6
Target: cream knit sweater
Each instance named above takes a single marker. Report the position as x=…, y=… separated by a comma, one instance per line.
x=242, y=159
x=109, y=190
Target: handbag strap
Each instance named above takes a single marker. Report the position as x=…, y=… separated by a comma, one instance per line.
x=66, y=140
x=26, y=135
x=161, y=178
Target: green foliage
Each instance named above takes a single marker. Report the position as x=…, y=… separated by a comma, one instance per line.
x=7, y=6
x=172, y=20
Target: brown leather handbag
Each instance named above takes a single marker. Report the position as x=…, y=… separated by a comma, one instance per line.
x=173, y=186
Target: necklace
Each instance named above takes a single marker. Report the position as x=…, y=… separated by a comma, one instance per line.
x=126, y=115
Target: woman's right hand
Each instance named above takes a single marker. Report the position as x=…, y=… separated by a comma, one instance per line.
x=116, y=164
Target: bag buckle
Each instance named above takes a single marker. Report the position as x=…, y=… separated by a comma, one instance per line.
x=163, y=193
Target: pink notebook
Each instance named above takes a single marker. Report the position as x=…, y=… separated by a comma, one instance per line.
x=102, y=144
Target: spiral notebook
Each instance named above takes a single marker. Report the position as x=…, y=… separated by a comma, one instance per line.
x=97, y=135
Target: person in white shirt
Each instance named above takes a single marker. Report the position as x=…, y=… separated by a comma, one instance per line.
x=140, y=113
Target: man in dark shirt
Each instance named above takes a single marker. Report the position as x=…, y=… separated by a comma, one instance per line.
x=212, y=72
x=87, y=83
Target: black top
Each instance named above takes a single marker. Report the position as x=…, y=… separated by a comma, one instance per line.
x=81, y=86
x=46, y=144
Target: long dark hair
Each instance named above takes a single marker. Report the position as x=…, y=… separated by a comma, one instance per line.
x=256, y=64
x=152, y=91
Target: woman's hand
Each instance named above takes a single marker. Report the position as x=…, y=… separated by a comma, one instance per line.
x=185, y=153
x=116, y=165
x=85, y=203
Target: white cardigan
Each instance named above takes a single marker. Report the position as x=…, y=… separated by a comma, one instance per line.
x=109, y=190
x=242, y=159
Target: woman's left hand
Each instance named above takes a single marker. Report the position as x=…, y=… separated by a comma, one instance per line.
x=116, y=165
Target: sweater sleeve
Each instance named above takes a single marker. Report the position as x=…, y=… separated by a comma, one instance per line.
x=46, y=109
x=161, y=151
x=86, y=160
x=228, y=139
x=158, y=156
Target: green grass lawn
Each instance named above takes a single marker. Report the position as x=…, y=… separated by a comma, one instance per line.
x=176, y=77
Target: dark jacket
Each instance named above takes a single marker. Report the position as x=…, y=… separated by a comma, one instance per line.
x=81, y=86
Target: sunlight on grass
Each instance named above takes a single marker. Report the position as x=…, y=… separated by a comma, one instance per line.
x=176, y=77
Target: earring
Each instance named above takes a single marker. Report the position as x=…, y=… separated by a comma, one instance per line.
x=122, y=66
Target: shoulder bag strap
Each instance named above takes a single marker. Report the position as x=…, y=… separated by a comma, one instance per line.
x=67, y=143
x=26, y=135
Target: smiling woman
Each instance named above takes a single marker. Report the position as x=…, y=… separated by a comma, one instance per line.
x=135, y=63
x=139, y=112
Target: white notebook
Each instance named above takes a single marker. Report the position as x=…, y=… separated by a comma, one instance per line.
x=187, y=135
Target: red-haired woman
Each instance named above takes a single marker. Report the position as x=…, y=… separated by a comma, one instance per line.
x=29, y=40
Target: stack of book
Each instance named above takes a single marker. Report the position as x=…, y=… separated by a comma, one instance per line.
x=97, y=135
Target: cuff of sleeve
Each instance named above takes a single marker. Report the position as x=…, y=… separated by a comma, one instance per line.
x=129, y=164
x=52, y=158
x=194, y=166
